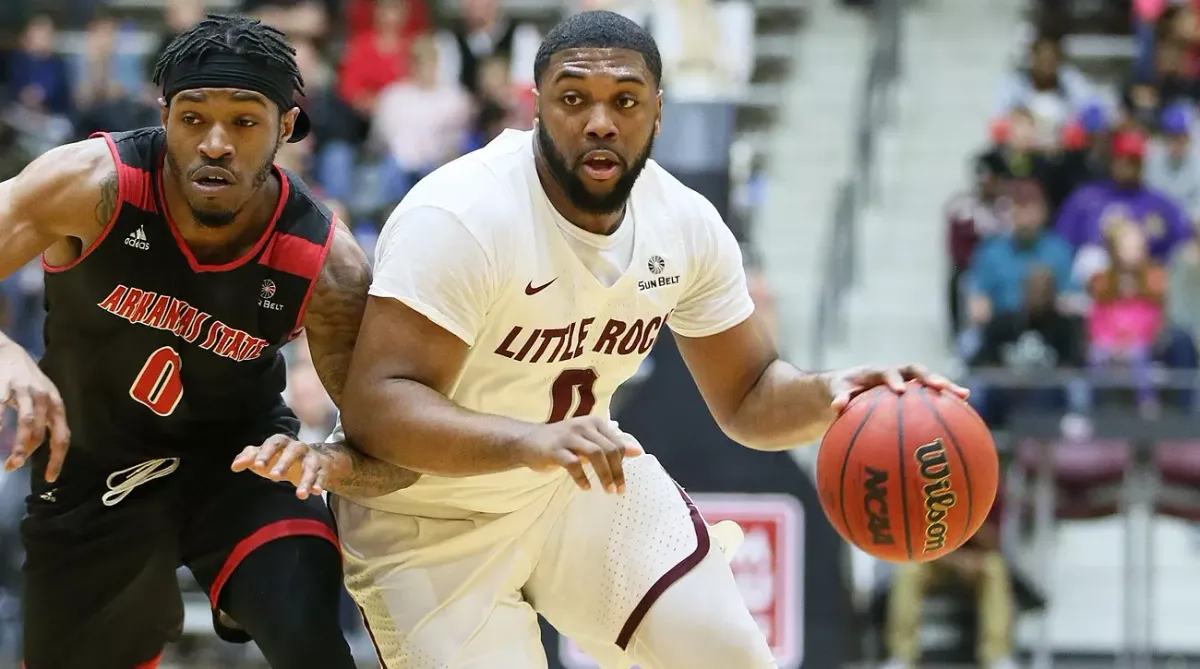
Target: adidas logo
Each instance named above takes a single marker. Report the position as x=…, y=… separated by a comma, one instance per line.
x=137, y=239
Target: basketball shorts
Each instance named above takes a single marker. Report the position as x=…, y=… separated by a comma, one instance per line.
x=104, y=543
x=464, y=591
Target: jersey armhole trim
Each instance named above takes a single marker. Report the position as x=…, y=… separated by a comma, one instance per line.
x=312, y=285
x=122, y=189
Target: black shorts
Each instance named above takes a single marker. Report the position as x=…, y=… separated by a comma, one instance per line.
x=100, y=584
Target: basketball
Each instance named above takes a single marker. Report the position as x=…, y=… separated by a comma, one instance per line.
x=910, y=477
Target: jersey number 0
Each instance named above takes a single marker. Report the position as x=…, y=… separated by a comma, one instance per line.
x=159, y=386
x=570, y=385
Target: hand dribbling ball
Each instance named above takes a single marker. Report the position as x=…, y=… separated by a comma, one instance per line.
x=907, y=477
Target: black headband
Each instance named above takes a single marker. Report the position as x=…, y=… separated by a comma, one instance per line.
x=231, y=70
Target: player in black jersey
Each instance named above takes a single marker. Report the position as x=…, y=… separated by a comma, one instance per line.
x=178, y=261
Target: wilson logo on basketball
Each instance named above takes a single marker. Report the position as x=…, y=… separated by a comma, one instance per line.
x=939, y=498
x=876, y=505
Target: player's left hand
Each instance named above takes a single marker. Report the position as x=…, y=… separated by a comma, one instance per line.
x=309, y=467
x=848, y=384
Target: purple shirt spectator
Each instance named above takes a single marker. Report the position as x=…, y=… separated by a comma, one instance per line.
x=1098, y=206
x=1092, y=210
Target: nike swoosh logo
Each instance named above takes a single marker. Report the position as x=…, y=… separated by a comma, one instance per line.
x=531, y=290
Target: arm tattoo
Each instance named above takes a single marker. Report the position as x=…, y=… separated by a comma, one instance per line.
x=110, y=191
x=332, y=321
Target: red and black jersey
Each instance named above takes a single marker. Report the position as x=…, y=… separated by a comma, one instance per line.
x=157, y=354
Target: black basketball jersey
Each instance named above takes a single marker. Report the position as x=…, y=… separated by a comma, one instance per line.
x=157, y=354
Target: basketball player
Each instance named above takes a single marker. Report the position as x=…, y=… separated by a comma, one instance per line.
x=178, y=261
x=515, y=290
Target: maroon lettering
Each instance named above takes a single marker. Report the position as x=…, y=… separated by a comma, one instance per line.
x=568, y=345
x=113, y=300
x=608, y=337
x=650, y=335
x=548, y=336
x=503, y=349
x=533, y=337
x=583, y=330
x=633, y=337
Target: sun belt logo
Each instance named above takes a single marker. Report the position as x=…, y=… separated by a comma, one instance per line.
x=137, y=239
x=939, y=498
x=265, y=295
x=657, y=265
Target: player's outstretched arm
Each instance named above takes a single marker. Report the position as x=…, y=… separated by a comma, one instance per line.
x=65, y=198
x=331, y=322
x=758, y=400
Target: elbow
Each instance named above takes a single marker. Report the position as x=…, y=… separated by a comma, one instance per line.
x=761, y=438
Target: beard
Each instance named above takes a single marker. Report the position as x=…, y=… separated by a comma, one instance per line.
x=583, y=199
x=207, y=217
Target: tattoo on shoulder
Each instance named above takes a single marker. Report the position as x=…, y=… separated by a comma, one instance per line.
x=109, y=194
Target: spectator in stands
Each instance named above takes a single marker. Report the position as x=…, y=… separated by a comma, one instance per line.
x=1172, y=163
x=300, y=19
x=1083, y=154
x=1126, y=316
x=998, y=277
x=421, y=122
x=1183, y=293
x=1020, y=152
x=978, y=566
x=40, y=82
x=502, y=103
x=180, y=15
x=307, y=397
x=335, y=156
x=972, y=216
x=1050, y=89
x=111, y=93
x=1144, y=97
x=375, y=58
x=1096, y=207
x=483, y=33
x=360, y=18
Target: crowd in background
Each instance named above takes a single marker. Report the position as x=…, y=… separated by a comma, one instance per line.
x=1076, y=245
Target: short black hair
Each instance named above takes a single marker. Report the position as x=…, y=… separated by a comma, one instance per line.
x=216, y=34
x=598, y=29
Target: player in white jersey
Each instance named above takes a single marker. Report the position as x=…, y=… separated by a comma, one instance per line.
x=516, y=288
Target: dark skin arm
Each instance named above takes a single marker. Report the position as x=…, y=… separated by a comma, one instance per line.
x=391, y=386
x=767, y=404
x=398, y=410
x=331, y=324
x=41, y=211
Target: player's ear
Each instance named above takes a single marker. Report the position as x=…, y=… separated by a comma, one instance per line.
x=287, y=124
x=537, y=102
x=658, y=119
x=163, y=111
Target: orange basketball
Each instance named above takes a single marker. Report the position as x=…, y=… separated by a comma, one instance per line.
x=907, y=478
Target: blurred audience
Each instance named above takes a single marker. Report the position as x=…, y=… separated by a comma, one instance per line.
x=978, y=214
x=483, y=33
x=1049, y=88
x=1172, y=164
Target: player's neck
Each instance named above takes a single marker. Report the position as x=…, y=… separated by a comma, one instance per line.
x=598, y=224
x=214, y=244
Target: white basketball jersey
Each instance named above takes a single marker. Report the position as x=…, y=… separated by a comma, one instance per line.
x=478, y=248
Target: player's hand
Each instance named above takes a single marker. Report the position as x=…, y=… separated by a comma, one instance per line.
x=309, y=467
x=571, y=443
x=39, y=407
x=848, y=384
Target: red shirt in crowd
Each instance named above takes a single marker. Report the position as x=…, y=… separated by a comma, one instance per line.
x=360, y=16
x=366, y=68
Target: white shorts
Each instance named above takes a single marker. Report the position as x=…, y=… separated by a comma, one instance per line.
x=463, y=592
